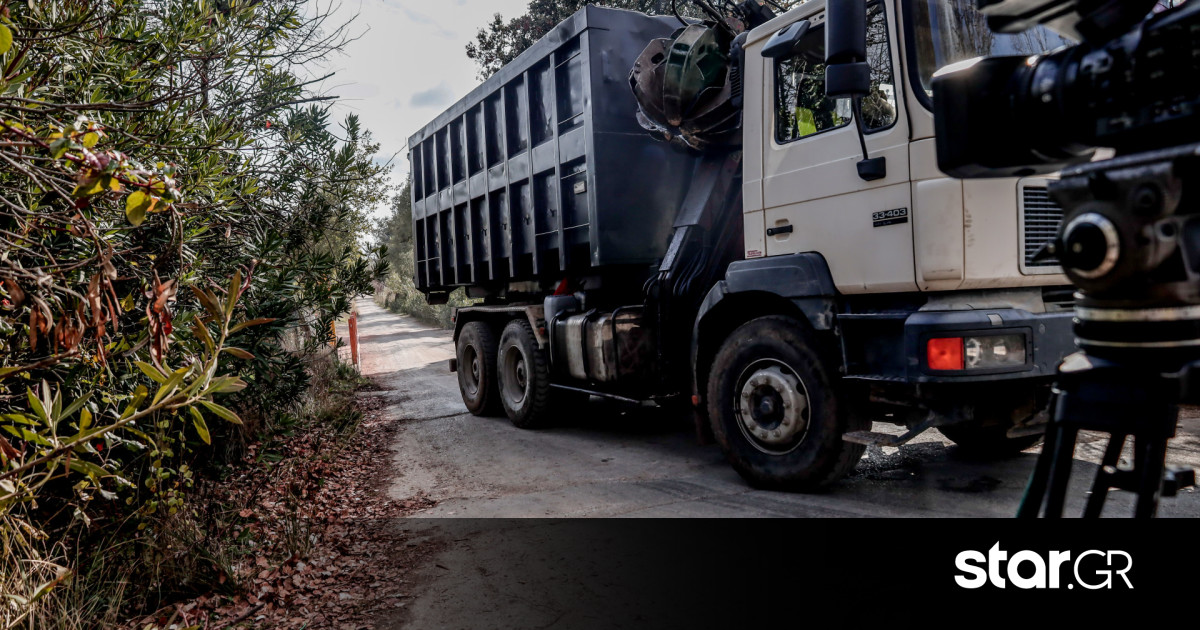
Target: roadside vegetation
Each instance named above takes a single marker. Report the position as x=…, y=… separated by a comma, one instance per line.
x=180, y=223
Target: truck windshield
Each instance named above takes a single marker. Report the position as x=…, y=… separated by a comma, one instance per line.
x=948, y=31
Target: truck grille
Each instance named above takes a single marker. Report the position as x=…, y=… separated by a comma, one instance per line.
x=1042, y=217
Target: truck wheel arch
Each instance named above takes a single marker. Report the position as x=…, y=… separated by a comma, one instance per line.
x=798, y=285
x=498, y=317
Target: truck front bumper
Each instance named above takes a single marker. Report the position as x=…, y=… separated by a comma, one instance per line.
x=891, y=347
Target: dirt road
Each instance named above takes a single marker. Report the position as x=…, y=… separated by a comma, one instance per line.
x=611, y=460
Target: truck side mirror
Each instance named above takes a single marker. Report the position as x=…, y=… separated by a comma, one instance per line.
x=786, y=42
x=847, y=73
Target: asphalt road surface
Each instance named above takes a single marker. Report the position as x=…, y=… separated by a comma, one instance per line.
x=493, y=571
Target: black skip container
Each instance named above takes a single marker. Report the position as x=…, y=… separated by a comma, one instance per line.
x=543, y=171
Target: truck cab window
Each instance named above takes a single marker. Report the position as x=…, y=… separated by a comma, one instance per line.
x=801, y=107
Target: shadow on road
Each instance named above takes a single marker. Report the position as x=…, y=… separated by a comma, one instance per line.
x=416, y=335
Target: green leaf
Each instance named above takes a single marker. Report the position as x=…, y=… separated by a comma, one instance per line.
x=149, y=370
x=239, y=353
x=85, y=419
x=85, y=467
x=235, y=287
x=201, y=332
x=201, y=427
x=135, y=215
x=139, y=395
x=253, y=322
x=135, y=207
x=90, y=139
x=89, y=187
x=48, y=404
x=208, y=301
x=6, y=39
x=17, y=82
x=45, y=589
x=59, y=147
x=139, y=433
x=227, y=385
x=75, y=406
x=221, y=412
x=37, y=406
x=17, y=598
x=27, y=435
x=170, y=386
x=19, y=419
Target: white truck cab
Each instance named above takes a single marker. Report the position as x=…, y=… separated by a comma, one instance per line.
x=935, y=312
x=915, y=229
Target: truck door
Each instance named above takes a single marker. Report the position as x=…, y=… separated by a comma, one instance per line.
x=813, y=197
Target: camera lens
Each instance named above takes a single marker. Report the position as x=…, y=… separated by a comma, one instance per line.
x=1091, y=246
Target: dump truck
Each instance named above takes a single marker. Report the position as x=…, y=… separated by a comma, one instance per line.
x=741, y=216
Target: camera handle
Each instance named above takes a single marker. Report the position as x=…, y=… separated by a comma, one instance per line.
x=1123, y=401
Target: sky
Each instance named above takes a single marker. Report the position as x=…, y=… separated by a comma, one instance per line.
x=408, y=64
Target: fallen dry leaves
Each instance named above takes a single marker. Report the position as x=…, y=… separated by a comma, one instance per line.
x=326, y=546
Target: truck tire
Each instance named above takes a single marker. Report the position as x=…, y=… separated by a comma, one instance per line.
x=774, y=409
x=524, y=376
x=987, y=440
x=477, y=369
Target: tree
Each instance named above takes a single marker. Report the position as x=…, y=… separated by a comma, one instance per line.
x=180, y=221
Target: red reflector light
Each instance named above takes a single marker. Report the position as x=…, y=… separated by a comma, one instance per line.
x=945, y=354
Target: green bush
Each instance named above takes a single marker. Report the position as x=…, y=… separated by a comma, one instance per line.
x=168, y=176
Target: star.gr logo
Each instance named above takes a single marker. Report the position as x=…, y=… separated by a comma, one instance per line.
x=1092, y=569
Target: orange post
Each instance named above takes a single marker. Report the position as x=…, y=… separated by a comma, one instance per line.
x=354, y=338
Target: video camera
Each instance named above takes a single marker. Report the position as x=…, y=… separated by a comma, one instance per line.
x=1129, y=85
x=1130, y=237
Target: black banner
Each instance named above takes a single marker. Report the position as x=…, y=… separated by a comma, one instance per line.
x=743, y=573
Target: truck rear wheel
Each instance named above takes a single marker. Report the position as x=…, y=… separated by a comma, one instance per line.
x=774, y=410
x=477, y=369
x=524, y=376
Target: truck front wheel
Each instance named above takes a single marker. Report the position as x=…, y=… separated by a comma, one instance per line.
x=773, y=408
x=524, y=376
x=477, y=369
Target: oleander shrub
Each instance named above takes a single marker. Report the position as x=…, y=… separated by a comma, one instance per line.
x=180, y=222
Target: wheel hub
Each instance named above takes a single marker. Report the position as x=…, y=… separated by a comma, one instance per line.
x=521, y=376
x=515, y=381
x=471, y=357
x=772, y=406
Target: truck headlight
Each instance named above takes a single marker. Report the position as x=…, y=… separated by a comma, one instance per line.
x=976, y=353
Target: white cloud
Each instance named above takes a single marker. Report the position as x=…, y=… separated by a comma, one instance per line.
x=408, y=63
